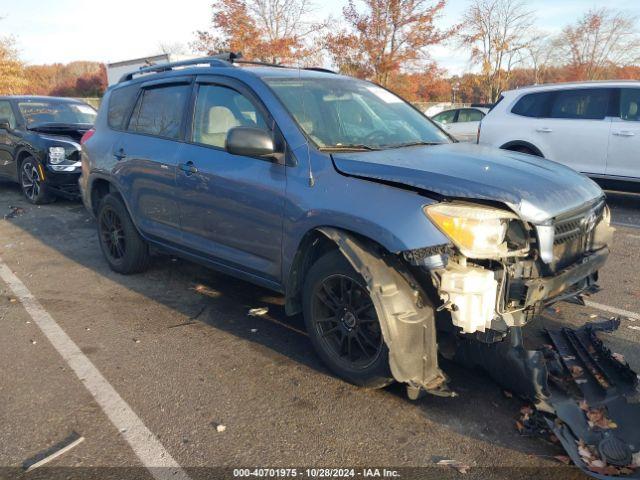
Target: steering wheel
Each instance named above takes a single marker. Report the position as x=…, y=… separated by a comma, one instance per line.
x=379, y=135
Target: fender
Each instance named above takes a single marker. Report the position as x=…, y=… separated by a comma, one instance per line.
x=406, y=318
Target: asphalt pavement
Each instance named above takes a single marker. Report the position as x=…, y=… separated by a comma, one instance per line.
x=214, y=387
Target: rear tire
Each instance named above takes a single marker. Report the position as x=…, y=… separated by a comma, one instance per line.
x=33, y=186
x=124, y=249
x=343, y=324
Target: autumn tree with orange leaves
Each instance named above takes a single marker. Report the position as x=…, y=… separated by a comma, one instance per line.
x=275, y=31
x=12, y=79
x=386, y=38
x=600, y=40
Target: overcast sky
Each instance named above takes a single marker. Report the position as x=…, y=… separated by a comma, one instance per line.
x=49, y=31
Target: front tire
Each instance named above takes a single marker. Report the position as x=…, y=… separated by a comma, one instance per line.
x=32, y=182
x=124, y=249
x=343, y=324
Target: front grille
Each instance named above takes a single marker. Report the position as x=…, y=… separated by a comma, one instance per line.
x=572, y=235
x=568, y=230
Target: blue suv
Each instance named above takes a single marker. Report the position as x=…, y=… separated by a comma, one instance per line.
x=391, y=238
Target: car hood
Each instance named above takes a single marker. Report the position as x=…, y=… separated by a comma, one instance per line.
x=535, y=188
x=69, y=130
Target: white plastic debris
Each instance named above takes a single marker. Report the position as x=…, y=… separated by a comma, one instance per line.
x=258, y=312
x=459, y=466
x=220, y=428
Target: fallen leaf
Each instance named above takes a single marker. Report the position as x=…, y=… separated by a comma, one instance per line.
x=563, y=459
x=585, y=454
x=519, y=426
x=526, y=410
x=597, y=417
x=619, y=357
x=576, y=371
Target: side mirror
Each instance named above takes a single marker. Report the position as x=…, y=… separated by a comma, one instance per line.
x=250, y=142
x=5, y=124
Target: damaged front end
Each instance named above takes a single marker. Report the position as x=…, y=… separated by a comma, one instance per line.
x=501, y=270
x=490, y=284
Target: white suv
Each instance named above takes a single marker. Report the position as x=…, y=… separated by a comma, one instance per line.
x=594, y=127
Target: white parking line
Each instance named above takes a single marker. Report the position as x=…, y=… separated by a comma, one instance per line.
x=614, y=310
x=144, y=443
x=625, y=224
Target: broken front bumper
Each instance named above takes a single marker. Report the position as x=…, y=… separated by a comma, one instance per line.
x=569, y=282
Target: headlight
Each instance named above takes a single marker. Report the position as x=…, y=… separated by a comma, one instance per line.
x=479, y=232
x=57, y=155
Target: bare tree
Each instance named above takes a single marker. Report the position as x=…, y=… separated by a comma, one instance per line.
x=599, y=40
x=175, y=48
x=540, y=51
x=498, y=32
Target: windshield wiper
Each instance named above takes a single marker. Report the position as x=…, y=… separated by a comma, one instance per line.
x=411, y=144
x=354, y=146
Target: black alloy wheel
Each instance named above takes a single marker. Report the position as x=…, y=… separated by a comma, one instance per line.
x=343, y=324
x=32, y=182
x=346, y=321
x=123, y=247
x=112, y=234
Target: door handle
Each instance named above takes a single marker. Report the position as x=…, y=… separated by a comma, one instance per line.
x=188, y=168
x=120, y=154
x=624, y=133
x=544, y=130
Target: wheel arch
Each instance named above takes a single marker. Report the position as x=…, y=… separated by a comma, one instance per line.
x=21, y=155
x=514, y=144
x=406, y=318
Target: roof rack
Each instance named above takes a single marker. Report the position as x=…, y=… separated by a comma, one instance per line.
x=219, y=60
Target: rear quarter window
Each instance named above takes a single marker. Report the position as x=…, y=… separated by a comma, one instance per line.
x=581, y=104
x=160, y=110
x=120, y=105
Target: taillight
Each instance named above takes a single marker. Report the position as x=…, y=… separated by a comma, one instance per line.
x=87, y=135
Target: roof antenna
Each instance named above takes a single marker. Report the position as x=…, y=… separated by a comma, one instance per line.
x=312, y=180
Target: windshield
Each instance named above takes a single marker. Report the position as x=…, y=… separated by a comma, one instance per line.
x=345, y=113
x=46, y=111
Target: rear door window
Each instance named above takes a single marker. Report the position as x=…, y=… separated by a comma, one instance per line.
x=534, y=105
x=160, y=110
x=219, y=109
x=582, y=104
x=121, y=103
x=6, y=113
x=446, y=117
x=630, y=104
x=470, y=115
